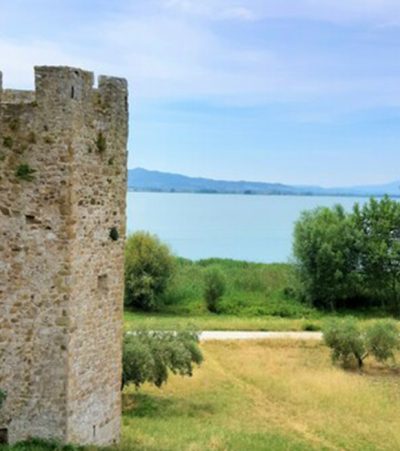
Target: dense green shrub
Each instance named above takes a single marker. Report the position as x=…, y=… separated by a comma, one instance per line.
x=149, y=265
x=214, y=288
x=149, y=356
x=350, y=343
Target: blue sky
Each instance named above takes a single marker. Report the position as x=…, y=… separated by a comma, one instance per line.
x=295, y=91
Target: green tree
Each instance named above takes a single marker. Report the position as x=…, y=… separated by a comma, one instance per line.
x=346, y=341
x=349, y=342
x=326, y=251
x=149, y=266
x=214, y=288
x=150, y=356
x=379, y=226
x=382, y=339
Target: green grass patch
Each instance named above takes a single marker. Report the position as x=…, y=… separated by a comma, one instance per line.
x=137, y=320
x=257, y=297
x=252, y=289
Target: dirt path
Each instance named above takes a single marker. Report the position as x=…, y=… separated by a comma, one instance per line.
x=208, y=335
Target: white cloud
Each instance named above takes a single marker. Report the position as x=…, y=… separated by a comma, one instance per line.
x=167, y=55
x=214, y=10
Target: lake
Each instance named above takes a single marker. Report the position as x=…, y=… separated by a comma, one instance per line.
x=252, y=228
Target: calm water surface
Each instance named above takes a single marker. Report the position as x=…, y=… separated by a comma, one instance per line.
x=253, y=228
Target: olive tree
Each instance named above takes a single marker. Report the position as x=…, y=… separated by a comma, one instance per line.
x=149, y=356
x=349, y=342
x=346, y=341
x=382, y=339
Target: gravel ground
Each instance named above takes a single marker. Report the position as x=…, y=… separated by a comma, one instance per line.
x=208, y=335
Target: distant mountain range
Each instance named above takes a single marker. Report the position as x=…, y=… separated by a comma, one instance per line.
x=140, y=179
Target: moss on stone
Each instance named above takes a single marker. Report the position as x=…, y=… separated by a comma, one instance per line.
x=25, y=172
x=8, y=142
x=101, y=142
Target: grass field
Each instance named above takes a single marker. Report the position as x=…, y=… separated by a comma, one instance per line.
x=263, y=396
x=267, y=396
x=135, y=320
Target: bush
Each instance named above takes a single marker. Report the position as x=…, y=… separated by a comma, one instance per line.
x=149, y=265
x=349, y=342
x=149, y=356
x=214, y=288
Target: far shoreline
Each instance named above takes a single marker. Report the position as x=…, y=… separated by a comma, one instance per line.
x=350, y=195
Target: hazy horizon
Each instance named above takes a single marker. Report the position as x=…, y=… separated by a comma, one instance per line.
x=298, y=91
x=387, y=182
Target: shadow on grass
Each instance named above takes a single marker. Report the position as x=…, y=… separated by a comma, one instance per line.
x=371, y=369
x=376, y=370
x=151, y=406
x=40, y=445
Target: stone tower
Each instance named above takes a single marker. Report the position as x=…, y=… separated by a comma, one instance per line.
x=62, y=226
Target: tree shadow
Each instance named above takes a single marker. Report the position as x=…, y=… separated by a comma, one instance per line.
x=143, y=405
x=153, y=406
x=373, y=369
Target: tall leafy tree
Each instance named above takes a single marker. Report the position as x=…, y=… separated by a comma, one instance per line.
x=379, y=224
x=326, y=251
x=345, y=256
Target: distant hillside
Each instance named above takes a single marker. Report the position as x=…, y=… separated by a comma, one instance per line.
x=140, y=179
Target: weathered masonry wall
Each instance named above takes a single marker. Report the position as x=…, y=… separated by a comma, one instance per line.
x=62, y=226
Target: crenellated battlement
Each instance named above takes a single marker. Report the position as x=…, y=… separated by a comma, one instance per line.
x=16, y=96
x=66, y=85
x=62, y=191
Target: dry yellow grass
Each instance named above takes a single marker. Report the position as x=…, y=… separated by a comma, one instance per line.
x=267, y=396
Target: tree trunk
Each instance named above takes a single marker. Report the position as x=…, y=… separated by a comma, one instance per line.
x=360, y=360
